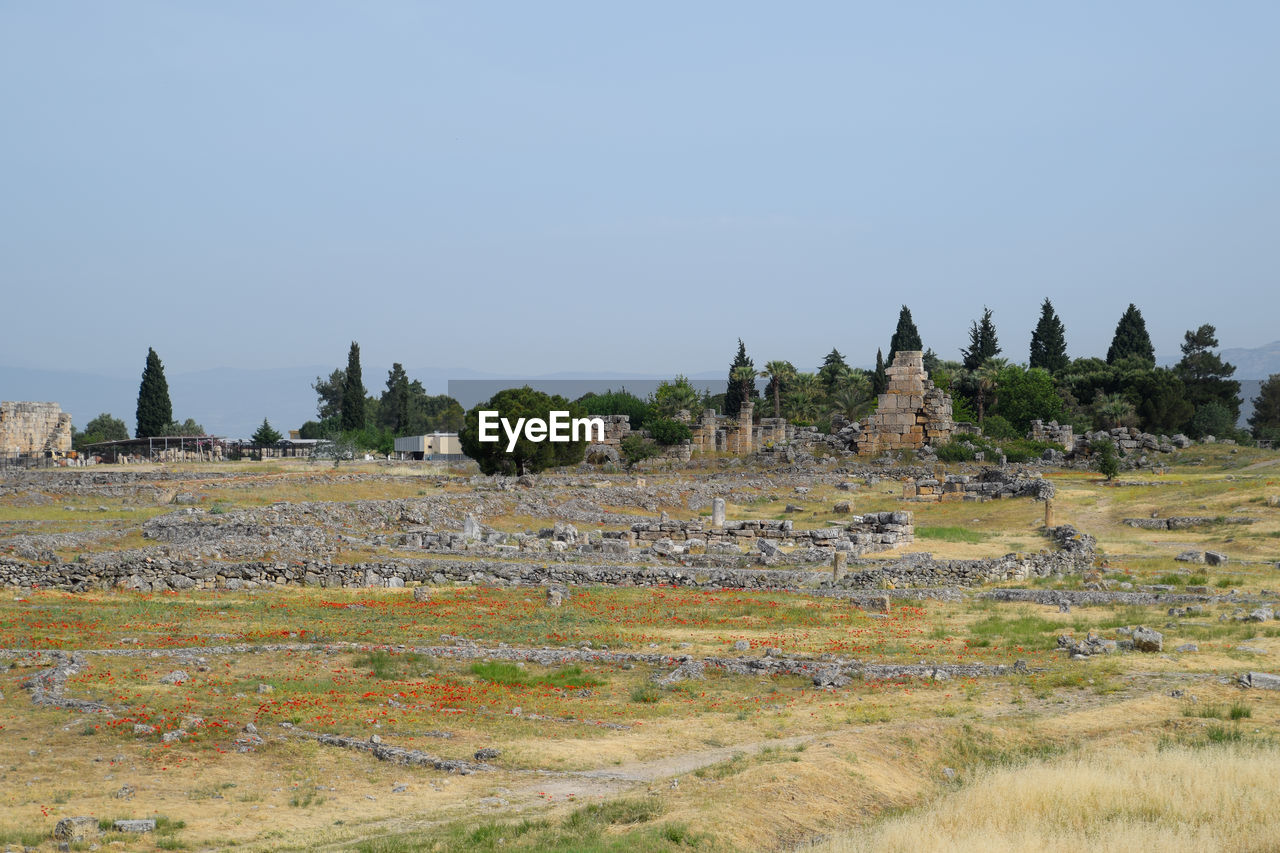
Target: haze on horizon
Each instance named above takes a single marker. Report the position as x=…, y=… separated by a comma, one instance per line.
x=533, y=188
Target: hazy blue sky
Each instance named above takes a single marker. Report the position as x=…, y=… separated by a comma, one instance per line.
x=529, y=187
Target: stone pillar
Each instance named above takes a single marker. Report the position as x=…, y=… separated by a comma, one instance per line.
x=837, y=565
x=1048, y=513
x=745, y=414
x=908, y=489
x=717, y=512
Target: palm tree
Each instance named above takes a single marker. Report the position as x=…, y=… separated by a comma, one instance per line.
x=852, y=398
x=744, y=375
x=778, y=372
x=804, y=399
x=988, y=378
x=1112, y=410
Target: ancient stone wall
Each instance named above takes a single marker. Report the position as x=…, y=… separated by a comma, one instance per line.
x=1053, y=433
x=33, y=429
x=911, y=413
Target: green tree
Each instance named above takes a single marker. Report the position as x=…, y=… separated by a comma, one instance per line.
x=1160, y=399
x=1027, y=395
x=671, y=398
x=1105, y=452
x=986, y=380
x=638, y=411
x=329, y=395
x=1049, y=341
x=906, y=337
x=102, y=428
x=779, y=373
x=667, y=432
x=1208, y=378
x=353, y=393
x=187, y=427
x=1214, y=419
x=636, y=449
x=1265, y=420
x=155, y=411
x=982, y=342
x=805, y=398
x=931, y=362
x=1131, y=339
x=739, y=391
x=266, y=435
x=880, y=378
x=834, y=371
x=852, y=398
x=526, y=457
x=432, y=413
x=1113, y=410
x=395, y=405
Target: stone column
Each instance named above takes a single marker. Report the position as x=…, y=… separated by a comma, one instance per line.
x=1048, y=513
x=717, y=512
x=837, y=565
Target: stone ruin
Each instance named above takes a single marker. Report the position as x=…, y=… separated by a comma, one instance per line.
x=912, y=412
x=34, y=429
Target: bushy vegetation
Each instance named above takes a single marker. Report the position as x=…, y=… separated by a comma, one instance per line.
x=667, y=432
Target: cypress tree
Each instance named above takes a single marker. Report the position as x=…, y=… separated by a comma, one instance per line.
x=155, y=411
x=982, y=342
x=879, y=379
x=735, y=394
x=834, y=370
x=1049, y=341
x=906, y=336
x=353, y=392
x=395, y=409
x=1131, y=339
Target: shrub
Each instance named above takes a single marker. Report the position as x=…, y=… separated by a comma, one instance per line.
x=998, y=427
x=636, y=449
x=1108, y=463
x=954, y=451
x=667, y=432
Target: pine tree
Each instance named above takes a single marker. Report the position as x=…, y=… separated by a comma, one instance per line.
x=1206, y=375
x=879, y=379
x=266, y=435
x=155, y=411
x=834, y=371
x=906, y=337
x=738, y=392
x=1049, y=341
x=1265, y=419
x=982, y=342
x=353, y=392
x=1131, y=339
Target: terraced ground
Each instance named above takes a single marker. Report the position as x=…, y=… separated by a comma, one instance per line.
x=471, y=717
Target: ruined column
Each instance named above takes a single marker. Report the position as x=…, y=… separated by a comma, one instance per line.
x=717, y=512
x=837, y=565
x=1048, y=513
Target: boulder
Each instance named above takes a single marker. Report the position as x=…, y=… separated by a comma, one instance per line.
x=1147, y=640
x=76, y=830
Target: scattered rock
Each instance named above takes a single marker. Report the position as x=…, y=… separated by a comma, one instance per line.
x=1259, y=680
x=487, y=754
x=1147, y=639
x=76, y=830
x=138, y=826
x=178, y=676
x=1215, y=558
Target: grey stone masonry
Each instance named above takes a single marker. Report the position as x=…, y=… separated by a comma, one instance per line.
x=911, y=413
x=33, y=429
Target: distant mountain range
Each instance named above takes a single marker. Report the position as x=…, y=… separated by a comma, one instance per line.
x=233, y=401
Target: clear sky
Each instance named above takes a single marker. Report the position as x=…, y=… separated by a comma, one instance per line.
x=528, y=187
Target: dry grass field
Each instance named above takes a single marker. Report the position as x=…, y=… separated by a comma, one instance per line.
x=214, y=698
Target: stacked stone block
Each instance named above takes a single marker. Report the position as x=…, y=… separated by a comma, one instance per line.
x=1053, y=433
x=911, y=413
x=34, y=429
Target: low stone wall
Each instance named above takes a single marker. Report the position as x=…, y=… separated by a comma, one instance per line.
x=1185, y=522
x=990, y=484
x=863, y=533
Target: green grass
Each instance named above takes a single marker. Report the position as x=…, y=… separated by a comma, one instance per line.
x=619, y=826
x=504, y=672
x=386, y=665
x=953, y=533
x=1025, y=629
x=1239, y=711
x=647, y=694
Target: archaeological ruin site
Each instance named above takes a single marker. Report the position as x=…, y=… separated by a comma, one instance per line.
x=308, y=653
